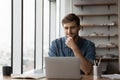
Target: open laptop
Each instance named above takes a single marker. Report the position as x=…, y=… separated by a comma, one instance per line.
x=62, y=67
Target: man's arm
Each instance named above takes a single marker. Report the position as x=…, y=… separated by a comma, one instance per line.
x=86, y=65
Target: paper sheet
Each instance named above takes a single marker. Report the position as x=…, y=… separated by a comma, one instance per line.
x=112, y=76
x=28, y=76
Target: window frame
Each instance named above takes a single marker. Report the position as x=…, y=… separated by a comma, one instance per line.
x=57, y=7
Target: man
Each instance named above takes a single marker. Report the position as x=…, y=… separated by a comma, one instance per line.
x=73, y=45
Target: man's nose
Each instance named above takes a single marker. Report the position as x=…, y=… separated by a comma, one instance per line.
x=69, y=31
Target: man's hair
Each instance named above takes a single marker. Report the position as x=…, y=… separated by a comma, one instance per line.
x=71, y=17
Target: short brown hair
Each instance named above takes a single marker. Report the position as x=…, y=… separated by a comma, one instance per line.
x=71, y=17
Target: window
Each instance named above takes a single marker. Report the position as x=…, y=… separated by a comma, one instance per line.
x=46, y=27
x=34, y=27
x=5, y=32
x=28, y=34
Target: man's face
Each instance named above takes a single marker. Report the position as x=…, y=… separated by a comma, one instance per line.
x=71, y=29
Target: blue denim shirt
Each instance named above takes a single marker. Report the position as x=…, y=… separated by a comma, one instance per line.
x=60, y=49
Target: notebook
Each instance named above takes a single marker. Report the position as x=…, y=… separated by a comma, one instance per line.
x=33, y=74
x=62, y=67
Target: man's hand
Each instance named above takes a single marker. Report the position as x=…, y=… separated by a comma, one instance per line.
x=70, y=42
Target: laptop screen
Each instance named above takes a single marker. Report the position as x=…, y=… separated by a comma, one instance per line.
x=62, y=67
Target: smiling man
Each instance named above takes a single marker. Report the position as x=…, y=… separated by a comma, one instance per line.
x=74, y=45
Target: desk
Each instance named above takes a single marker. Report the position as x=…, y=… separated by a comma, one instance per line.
x=84, y=77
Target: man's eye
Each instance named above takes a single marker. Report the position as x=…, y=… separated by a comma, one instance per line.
x=66, y=28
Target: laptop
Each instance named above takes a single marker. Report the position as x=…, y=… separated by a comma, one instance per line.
x=62, y=67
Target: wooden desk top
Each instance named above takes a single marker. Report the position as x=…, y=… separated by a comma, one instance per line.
x=84, y=77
